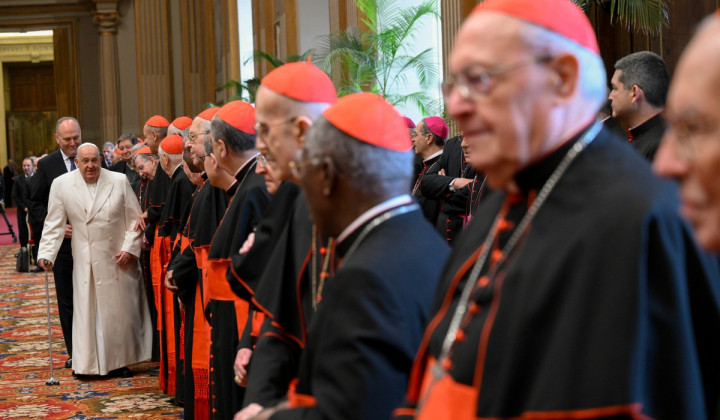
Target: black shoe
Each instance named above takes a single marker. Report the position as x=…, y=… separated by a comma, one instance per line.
x=79, y=375
x=176, y=403
x=121, y=373
x=68, y=363
x=154, y=371
x=36, y=270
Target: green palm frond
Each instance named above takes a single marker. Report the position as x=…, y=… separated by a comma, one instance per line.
x=647, y=16
x=378, y=59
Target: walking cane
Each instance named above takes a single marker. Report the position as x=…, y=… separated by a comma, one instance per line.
x=52, y=380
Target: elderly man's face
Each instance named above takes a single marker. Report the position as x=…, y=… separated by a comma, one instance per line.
x=505, y=126
x=196, y=140
x=690, y=150
x=263, y=168
x=146, y=166
x=68, y=137
x=151, y=137
x=88, y=163
x=276, y=131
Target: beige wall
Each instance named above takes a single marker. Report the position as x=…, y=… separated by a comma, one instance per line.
x=130, y=120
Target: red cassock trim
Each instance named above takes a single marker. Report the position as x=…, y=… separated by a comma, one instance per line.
x=219, y=289
x=299, y=400
x=450, y=400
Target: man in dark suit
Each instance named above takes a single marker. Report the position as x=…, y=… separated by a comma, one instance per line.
x=61, y=161
x=21, y=196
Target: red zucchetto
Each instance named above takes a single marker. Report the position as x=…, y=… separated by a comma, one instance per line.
x=182, y=123
x=157, y=121
x=238, y=114
x=371, y=119
x=560, y=16
x=301, y=81
x=143, y=151
x=209, y=113
x=172, y=144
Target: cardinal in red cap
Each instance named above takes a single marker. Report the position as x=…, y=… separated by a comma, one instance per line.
x=155, y=129
x=286, y=109
x=187, y=268
x=158, y=187
x=180, y=125
x=548, y=304
x=232, y=152
x=355, y=171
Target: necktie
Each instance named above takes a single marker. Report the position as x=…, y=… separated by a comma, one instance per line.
x=630, y=136
x=72, y=164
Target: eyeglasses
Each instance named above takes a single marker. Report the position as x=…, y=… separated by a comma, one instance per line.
x=687, y=135
x=296, y=166
x=193, y=136
x=262, y=160
x=263, y=129
x=474, y=82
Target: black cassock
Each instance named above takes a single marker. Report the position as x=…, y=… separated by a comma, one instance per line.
x=227, y=314
x=274, y=276
x=604, y=308
x=205, y=211
x=363, y=337
x=172, y=219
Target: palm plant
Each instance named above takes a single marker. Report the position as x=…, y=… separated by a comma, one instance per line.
x=647, y=16
x=378, y=59
x=252, y=84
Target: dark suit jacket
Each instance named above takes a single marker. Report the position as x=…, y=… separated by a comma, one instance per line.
x=49, y=168
x=21, y=192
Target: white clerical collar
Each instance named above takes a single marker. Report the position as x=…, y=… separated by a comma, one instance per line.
x=246, y=163
x=374, y=212
x=433, y=156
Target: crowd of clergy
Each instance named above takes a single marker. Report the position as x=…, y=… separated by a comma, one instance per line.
x=316, y=257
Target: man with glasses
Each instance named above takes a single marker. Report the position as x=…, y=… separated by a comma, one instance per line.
x=273, y=273
x=124, y=144
x=576, y=292
x=233, y=148
x=428, y=139
x=111, y=326
x=355, y=169
x=179, y=192
x=188, y=266
x=689, y=152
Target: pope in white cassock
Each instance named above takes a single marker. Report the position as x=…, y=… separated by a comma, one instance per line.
x=111, y=326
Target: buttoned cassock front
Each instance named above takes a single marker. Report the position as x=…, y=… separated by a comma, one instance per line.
x=111, y=326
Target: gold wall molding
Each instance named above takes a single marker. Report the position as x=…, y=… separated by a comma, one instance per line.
x=154, y=59
x=107, y=23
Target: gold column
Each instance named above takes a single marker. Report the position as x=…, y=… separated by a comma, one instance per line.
x=155, y=75
x=107, y=23
x=452, y=14
x=198, y=54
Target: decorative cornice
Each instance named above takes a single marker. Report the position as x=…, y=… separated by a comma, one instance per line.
x=35, y=50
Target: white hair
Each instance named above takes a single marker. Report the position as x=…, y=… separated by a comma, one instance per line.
x=369, y=169
x=592, y=79
x=89, y=144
